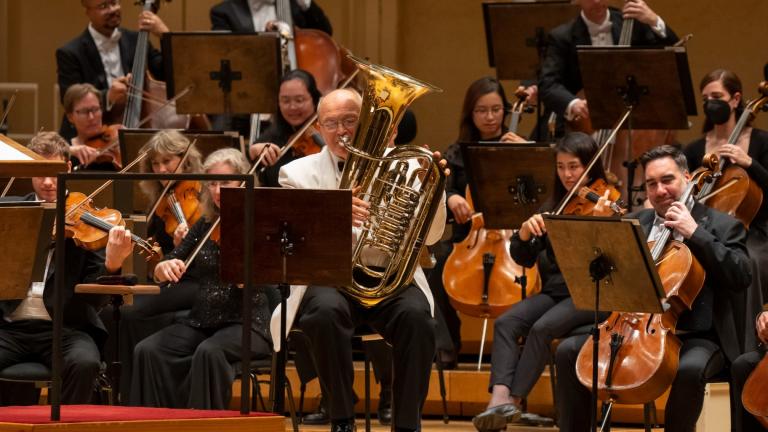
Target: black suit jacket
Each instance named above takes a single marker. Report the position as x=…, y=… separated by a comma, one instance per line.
x=78, y=61
x=560, y=75
x=80, y=310
x=235, y=16
x=719, y=244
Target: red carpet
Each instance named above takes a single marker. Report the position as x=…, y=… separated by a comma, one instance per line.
x=41, y=414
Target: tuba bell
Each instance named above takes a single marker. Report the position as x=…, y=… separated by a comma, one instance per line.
x=403, y=187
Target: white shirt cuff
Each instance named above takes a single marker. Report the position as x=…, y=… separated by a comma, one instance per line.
x=660, y=28
x=304, y=4
x=568, y=114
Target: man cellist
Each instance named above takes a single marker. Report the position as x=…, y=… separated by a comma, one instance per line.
x=708, y=332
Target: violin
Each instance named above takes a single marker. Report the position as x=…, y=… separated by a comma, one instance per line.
x=638, y=353
x=89, y=227
x=181, y=205
x=107, y=144
x=733, y=191
x=480, y=276
x=754, y=396
x=310, y=142
x=583, y=203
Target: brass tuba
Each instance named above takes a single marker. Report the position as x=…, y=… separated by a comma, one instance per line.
x=402, y=205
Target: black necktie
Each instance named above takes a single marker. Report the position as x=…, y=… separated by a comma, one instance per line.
x=341, y=165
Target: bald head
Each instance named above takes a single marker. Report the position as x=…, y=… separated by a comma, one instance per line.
x=338, y=114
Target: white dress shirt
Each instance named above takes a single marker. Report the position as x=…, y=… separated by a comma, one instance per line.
x=109, y=51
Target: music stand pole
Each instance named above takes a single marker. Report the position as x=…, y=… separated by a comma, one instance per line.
x=286, y=250
x=599, y=269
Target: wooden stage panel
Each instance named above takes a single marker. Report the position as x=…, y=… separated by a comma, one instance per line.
x=245, y=424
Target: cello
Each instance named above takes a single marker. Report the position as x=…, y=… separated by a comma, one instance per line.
x=480, y=277
x=733, y=191
x=638, y=352
x=754, y=396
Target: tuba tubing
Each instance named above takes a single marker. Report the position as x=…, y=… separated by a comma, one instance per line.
x=404, y=187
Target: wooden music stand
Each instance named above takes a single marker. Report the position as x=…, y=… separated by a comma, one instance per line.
x=130, y=198
x=509, y=182
x=27, y=226
x=516, y=34
x=229, y=73
x=18, y=161
x=606, y=265
x=301, y=237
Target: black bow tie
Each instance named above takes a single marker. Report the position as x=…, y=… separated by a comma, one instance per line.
x=340, y=165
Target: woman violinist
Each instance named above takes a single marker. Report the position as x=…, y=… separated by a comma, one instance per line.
x=547, y=315
x=166, y=150
x=83, y=109
x=297, y=101
x=189, y=364
x=482, y=119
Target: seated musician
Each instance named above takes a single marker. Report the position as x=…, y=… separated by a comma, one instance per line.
x=84, y=112
x=190, y=363
x=742, y=367
x=597, y=25
x=482, y=119
x=27, y=337
x=248, y=16
x=709, y=333
x=103, y=55
x=297, y=101
x=545, y=316
x=149, y=314
x=329, y=318
x=723, y=98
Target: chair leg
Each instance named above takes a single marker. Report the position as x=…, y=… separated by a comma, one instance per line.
x=256, y=392
x=367, y=393
x=302, y=390
x=649, y=415
x=441, y=378
x=553, y=385
x=292, y=406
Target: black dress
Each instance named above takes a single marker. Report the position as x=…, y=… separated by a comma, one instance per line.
x=190, y=363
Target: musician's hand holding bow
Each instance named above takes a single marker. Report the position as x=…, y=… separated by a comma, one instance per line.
x=169, y=270
x=270, y=151
x=118, y=90
x=534, y=226
x=679, y=218
x=735, y=154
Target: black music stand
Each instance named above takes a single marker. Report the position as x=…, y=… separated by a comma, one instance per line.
x=508, y=183
x=516, y=38
x=606, y=265
x=655, y=84
x=301, y=237
x=128, y=195
x=27, y=226
x=229, y=73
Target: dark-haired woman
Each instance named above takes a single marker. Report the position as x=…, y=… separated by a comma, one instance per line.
x=542, y=317
x=722, y=93
x=297, y=101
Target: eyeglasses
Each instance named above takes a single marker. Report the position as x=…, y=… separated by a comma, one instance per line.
x=109, y=4
x=298, y=100
x=332, y=124
x=85, y=112
x=495, y=110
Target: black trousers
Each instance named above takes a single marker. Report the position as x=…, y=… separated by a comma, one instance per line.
x=147, y=315
x=741, y=419
x=447, y=321
x=26, y=341
x=700, y=359
x=542, y=319
x=186, y=367
x=329, y=319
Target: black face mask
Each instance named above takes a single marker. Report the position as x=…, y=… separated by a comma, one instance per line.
x=717, y=111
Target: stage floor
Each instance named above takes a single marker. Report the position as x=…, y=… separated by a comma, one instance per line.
x=439, y=426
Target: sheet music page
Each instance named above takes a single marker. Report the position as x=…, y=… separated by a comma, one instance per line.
x=8, y=153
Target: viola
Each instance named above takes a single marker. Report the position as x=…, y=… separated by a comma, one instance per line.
x=89, y=227
x=107, y=144
x=639, y=352
x=181, y=205
x=310, y=142
x=584, y=202
x=754, y=396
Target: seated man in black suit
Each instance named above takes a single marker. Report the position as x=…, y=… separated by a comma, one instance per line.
x=26, y=336
x=103, y=55
x=710, y=336
x=248, y=16
x=597, y=25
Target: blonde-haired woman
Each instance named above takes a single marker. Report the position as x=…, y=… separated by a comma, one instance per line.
x=189, y=364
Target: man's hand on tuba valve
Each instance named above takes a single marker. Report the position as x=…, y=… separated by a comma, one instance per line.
x=360, y=211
